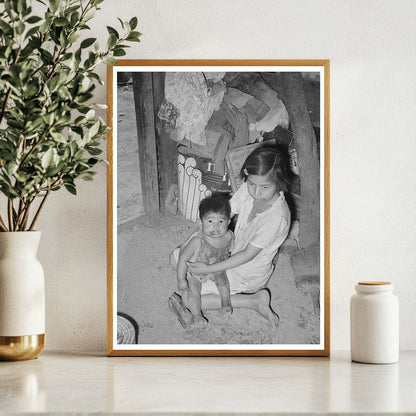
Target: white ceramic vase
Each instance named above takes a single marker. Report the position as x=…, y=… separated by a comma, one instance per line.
x=374, y=323
x=22, y=296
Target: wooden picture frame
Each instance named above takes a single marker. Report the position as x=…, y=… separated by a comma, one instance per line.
x=157, y=150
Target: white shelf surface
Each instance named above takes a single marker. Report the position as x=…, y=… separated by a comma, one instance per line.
x=88, y=383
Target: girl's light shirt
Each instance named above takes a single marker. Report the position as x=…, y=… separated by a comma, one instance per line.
x=267, y=230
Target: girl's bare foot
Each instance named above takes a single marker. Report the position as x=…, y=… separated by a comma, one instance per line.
x=261, y=304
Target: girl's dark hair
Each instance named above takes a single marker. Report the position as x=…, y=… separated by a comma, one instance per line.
x=216, y=203
x=267, y=161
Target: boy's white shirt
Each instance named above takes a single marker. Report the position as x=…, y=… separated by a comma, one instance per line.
x=267, y=230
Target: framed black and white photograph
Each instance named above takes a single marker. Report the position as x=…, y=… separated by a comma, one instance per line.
x=218, y=208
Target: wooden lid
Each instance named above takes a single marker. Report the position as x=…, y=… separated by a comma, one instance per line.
x=374, y=283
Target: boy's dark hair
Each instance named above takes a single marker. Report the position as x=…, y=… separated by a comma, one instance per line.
x=267, y=160
x=216, y=203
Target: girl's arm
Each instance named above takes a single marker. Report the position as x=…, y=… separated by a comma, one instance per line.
x=235, y=260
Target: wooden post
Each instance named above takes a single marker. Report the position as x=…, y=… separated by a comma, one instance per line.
x=167, y=154
x=308, y=160
x=145, y=119
x=289, y=86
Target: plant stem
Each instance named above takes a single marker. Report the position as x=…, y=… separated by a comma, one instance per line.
x=38, y=211
x=26, y=216
x=10, y=214
x=3, y=108
x=16, y=222
x=20, y=213
x=2, y=225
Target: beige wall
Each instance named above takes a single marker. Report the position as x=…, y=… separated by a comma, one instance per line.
x=373, y=147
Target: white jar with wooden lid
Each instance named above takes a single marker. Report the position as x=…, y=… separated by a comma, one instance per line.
x=374, y=323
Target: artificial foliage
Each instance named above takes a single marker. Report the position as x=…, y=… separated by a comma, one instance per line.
x=50, y=132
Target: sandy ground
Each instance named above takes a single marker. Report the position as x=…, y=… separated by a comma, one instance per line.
x=145, y=280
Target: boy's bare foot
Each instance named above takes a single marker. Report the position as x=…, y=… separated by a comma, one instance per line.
x=262, y=306
x=227, y=309
x=200, y=322
x=182, y=284
x=183, y=314
x=185, y=299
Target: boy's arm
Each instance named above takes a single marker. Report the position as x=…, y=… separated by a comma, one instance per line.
x=185, y=255
x=235, y=260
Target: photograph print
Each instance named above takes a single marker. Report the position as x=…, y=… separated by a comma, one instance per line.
x=218, y=208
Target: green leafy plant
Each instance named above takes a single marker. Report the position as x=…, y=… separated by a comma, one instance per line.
x=50, y=134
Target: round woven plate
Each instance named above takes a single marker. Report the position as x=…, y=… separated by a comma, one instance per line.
x=126, y=331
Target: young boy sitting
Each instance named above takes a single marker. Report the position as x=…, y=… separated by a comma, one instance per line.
x=210, y=245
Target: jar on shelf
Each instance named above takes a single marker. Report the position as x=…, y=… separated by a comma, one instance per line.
x=374, y=323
